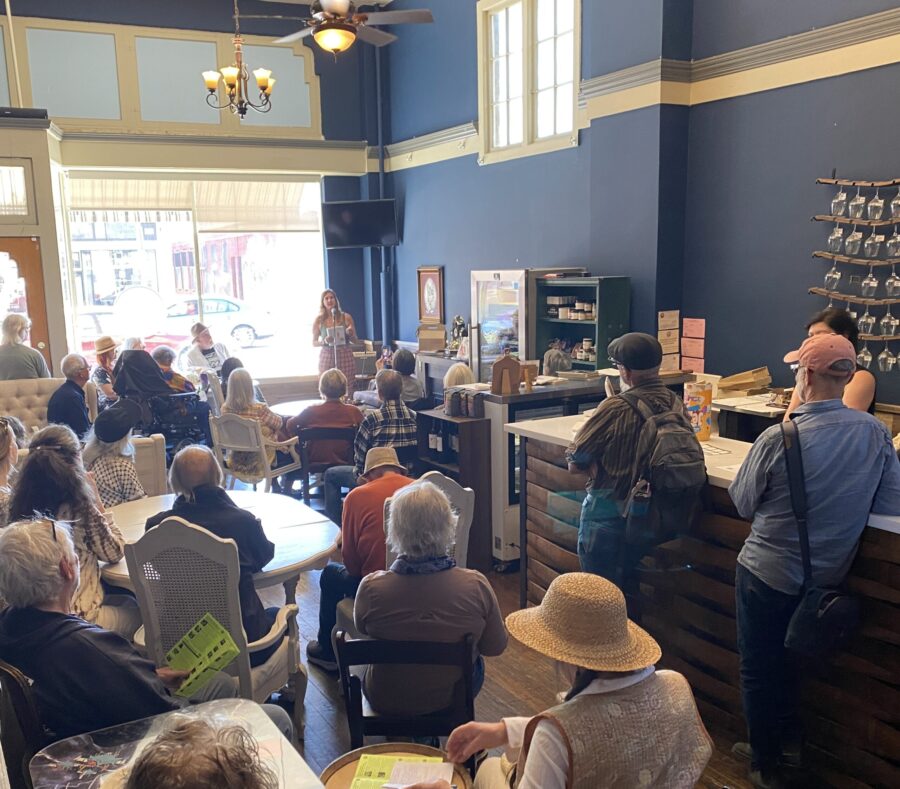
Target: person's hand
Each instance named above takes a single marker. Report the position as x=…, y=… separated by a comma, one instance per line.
x=430, y=785
x=172, y=678
x=329, y=339
x=474, y=737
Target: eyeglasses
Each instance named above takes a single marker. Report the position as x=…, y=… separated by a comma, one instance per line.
x=53, y=529
x=794, y=367
x=615, y=362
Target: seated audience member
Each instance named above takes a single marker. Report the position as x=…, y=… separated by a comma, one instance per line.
x=231, y=364
x=623, y=723
x=9, y=454
x=137, y=376
x=205, y=353
x=53, y=482
x=392, y=425
x=196, y=478
x=194, y=754
x=362, y=544
x=850, y=469
x=405, y=364
x=459, y=374
x=424, y=596
x=133, y=344
x=242, y=402
x=102, y=374
x=18, y=360
x=164, y=357
x=109, y=454
x=18, y=428
x=84, y=677
x=67, y=405
x=332, y=413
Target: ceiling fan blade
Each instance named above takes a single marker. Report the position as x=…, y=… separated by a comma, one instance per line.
x=373, y=35
x=420, y=16
x=307, y=31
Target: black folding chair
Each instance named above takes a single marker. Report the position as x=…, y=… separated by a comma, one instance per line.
x=308, y=436
x=21, y=732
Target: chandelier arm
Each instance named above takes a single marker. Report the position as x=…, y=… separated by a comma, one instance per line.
x=213, y=102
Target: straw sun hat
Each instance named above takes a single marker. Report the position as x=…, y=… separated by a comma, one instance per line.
x=379, y=457
x=104, y=344
x=582, y=620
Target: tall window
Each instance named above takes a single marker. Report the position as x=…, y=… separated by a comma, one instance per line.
x=528, y=61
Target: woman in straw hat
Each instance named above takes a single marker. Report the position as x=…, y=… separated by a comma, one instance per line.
x=102, y=374
x=623, y=723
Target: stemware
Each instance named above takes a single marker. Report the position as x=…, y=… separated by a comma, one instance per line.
x=852, y=244
x=892, y=284
x=857, y=205
x=875, y=208
x=869, y=285
x=893, y=243
x=895, y=207
x=866, y=322
x=832, y=278
x=872, y=245
x=836, y=239
x=864, y=357
x=839, y=202
x=888, y=324
x=886, y=360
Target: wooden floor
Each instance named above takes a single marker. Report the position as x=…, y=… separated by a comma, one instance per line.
x=519, y=682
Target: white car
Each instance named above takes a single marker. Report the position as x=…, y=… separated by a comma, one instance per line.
x=223, y=314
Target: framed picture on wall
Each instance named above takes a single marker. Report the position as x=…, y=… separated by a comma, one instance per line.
x=431, y=294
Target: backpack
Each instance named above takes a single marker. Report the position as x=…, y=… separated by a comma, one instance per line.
x=668, y=475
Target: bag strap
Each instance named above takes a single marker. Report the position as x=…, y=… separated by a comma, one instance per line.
x=793, y=459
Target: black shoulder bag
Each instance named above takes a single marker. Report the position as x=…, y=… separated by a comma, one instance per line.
x=825, y=617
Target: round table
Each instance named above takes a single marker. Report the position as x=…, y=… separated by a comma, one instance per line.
x=339, y=774
x=304, y=539
x=293, y=407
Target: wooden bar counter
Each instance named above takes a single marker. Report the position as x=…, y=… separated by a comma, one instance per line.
x=851, y=707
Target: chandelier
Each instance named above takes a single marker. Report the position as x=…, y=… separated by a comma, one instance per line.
x=237, y=80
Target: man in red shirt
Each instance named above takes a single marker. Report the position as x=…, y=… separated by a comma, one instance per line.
x=362, y=545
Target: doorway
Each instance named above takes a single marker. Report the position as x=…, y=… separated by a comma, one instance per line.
x=22, y=287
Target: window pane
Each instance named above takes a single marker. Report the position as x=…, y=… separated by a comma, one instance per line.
x=565, y=58
x=545, y=114
x=499, y=126
x=13, y=197
x=564, y=108
x=499, y=80
x=498, y=33
x=565, y=15
x=516, y=74
x=515, y=28
x=545, y=58
x=545, y=28
x=516, y=122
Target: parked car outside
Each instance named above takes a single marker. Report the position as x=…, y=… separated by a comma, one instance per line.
x=225, y=315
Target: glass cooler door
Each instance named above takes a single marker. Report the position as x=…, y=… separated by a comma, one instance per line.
x=498, y=317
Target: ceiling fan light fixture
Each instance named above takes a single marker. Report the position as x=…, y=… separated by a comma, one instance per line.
x=334, y=36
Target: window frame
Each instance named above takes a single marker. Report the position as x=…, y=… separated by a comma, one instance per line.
x=531, y=145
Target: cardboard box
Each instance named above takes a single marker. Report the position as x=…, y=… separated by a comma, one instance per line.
x=668, y=319
x=758, y=377
x=431, y=338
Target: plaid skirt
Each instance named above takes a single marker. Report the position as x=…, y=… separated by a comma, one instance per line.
x=346, y=363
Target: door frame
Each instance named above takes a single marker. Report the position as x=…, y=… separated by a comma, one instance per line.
x=26, y=252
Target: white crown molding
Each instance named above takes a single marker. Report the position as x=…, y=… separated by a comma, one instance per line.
x=455, y=134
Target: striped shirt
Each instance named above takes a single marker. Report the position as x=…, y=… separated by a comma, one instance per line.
x=606, y=443
x=392, y=425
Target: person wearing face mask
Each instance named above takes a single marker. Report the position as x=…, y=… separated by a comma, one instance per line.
x=859, y=393
x=605, y=447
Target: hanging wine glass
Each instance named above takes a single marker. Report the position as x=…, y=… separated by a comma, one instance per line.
x=864, y=357
x=839, y=202
x=892, y=284
x=852, y=244
x=836, y=239
x=872, y=246
x=857, y=205
x=893, y=243
x=888, y=324
x=886, y=360
x=869, y=285
x=866, y=323
x=832, y=278
x=895, y=207
x=875, y=208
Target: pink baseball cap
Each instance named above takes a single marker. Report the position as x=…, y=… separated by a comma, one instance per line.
x=821, y=352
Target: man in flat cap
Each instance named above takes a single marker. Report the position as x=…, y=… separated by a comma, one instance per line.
x=605, y=447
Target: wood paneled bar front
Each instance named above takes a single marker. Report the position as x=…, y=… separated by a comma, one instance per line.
x=851, y=705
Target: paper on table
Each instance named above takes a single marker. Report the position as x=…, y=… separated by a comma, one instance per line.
x=409, y=773
x=203, y=651
x=373, y=771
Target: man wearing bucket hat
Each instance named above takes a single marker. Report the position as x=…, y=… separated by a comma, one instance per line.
x=362, y=545
x=205, y=353
x=850, y=469
x=623, y=723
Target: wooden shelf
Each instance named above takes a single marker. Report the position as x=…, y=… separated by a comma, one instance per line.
x=879, y=337
x=450, y=469
x=583, y=363
x=846, y=220
x=833, y=294
x=847, y=182
x=856, y=261
x=590, y=323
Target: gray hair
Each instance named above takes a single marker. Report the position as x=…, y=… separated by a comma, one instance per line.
x=94, y=448
x=192, y=467
x=333, y=384
x=133, y=344
x=29, y=561
x=72, y=364
x=240, y=392
x=163, y=354
x=421, y=524
x=13, y=326
x=459, y=374
x=389, y=385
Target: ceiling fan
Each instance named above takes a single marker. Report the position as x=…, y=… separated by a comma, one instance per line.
x=336, y=24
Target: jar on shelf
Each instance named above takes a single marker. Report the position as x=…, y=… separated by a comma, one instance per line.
x=552, y=311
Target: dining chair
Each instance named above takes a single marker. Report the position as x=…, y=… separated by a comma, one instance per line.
x=307, y=436
x=370, y=652
x=214, y=395
x=181, y=572
x=233, y=433
x=21, y=732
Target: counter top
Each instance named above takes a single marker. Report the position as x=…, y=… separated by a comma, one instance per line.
x=757, y=405
x=594, y=386
x=723, y=455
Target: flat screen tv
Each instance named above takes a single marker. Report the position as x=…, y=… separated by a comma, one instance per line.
x=360, y=223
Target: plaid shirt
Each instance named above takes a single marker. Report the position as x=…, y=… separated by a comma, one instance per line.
x=392, y=425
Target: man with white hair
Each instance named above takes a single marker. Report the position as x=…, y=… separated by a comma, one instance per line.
x=84, y=677
x=18, y=360
x=67, y=405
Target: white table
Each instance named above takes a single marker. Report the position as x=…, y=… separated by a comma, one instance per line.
x=304, y=539
x=293, y=407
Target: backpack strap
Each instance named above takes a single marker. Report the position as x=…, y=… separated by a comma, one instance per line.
x=645, y=413
x=793, y=459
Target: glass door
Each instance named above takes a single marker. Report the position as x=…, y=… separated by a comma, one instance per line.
x=498, y=312
x=22, y=288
